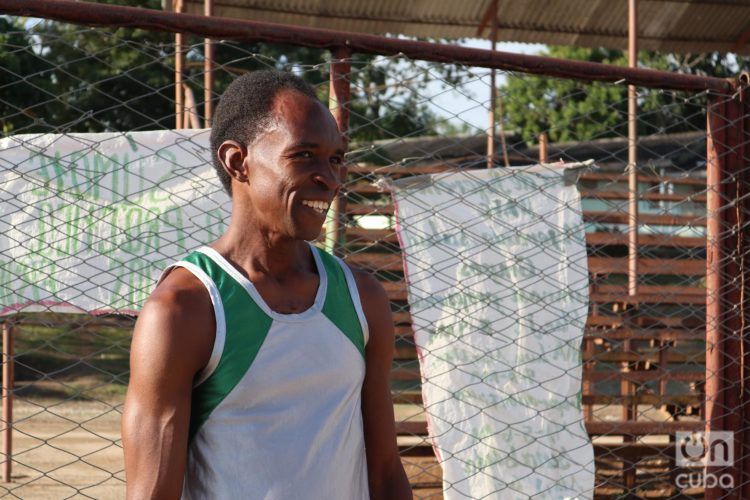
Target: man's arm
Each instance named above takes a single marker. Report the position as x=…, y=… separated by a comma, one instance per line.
x=172, y=341
x=385, y=472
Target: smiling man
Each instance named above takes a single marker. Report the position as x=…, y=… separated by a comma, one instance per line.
x=259, y=365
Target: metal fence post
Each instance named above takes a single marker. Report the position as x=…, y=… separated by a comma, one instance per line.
x=179, y=63
x=338, y=103
x=208, y=70
x=7, y=394
x=743, y=314
x=726, y=283
x=632, y=153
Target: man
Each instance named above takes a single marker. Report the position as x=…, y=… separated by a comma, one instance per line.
x=259, y=365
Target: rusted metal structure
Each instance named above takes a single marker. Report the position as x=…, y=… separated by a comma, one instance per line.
x=633, y=151
x=727, y=397
x=179, y=63
x=339, y=97
x=208, y=70
x=697, y=26
x=7, y=395
x=492, y=14
x=727, y=314
x=234, y=29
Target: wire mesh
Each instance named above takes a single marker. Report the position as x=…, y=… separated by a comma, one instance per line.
x=642, y=356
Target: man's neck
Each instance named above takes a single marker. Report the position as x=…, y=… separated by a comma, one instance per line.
x=262, y=254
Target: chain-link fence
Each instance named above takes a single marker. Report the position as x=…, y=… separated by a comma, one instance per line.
x=530, y=310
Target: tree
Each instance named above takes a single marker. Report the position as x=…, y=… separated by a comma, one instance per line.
x=570, y=110
x=59, y=77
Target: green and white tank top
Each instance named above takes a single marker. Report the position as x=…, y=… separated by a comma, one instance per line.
x=276, y=413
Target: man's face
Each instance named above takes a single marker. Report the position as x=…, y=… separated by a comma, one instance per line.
x=294, y=168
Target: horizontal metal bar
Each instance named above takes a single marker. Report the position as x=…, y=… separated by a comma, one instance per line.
x=95, y=14
x=618, y=428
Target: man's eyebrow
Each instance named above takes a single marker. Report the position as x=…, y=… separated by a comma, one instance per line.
x=313, y=145
x=302, y=145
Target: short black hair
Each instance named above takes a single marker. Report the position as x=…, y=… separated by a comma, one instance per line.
x=245, y=108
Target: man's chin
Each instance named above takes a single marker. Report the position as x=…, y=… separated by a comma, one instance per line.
x=307, y=234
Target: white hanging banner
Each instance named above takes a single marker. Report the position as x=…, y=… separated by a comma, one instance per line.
x=90, y=220
x=498, y=292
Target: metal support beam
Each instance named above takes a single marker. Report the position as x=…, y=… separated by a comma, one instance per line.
x=179, y=64
x=728, y=284
x=112, y=16
x=632, y=152
x=7, y=394
x=493, y=92
x=488, y=13
x=629, y=410
x=742, y=40
x=543, y=148
x=190, y=116
x=208, y=70
x=338, y=102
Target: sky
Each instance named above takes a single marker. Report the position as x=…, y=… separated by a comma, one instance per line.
x=473, y=110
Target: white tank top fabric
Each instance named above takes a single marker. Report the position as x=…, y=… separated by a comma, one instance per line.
x=276, y=413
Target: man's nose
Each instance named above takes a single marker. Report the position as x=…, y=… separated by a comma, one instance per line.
x=327, y=179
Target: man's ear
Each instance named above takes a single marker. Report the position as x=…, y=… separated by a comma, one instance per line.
x=232, y=156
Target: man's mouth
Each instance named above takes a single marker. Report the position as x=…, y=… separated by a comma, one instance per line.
x=319, y=206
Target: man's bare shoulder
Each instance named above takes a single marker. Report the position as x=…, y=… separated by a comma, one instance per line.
x=180, y=292
x=179, y=315
x=370, y=290
x=375, y=305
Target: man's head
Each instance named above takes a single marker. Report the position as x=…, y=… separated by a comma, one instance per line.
x=278, y=153
x=245, y=109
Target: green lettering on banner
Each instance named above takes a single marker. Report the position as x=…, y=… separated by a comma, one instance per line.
x=173, y=219
x=101, y=208
x=133, y=221
x=72, y=216
x=154, y=196
x=60, y=170
x=152, y=234
x=102, y=165
x=510, y=275
x=40, y=172
x=113, y=160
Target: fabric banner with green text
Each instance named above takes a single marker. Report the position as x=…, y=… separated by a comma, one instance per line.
x=90, y=220
x=498, y=293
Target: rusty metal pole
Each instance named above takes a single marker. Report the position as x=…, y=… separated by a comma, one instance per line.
x=338, y=102
x=7, y=394
x=714, y=358
x=630, y=412
x=632, y=152
x=208, y=69
x=190, y=116
x=730, y=296
x=543, y=155
x=97, y=14
x=493, y=92
x=727, y=361
x=743, y=250
x=178, y=70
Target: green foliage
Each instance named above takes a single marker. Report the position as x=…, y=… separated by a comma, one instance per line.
x=59, y=77
x=570, y=110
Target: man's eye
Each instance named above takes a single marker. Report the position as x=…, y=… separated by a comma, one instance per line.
x=304, y=154
x=337, y=160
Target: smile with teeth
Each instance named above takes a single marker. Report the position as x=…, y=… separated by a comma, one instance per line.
x=319, y=206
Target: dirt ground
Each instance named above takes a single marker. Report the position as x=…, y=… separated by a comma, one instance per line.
x=73, y=449
x=66, y=450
